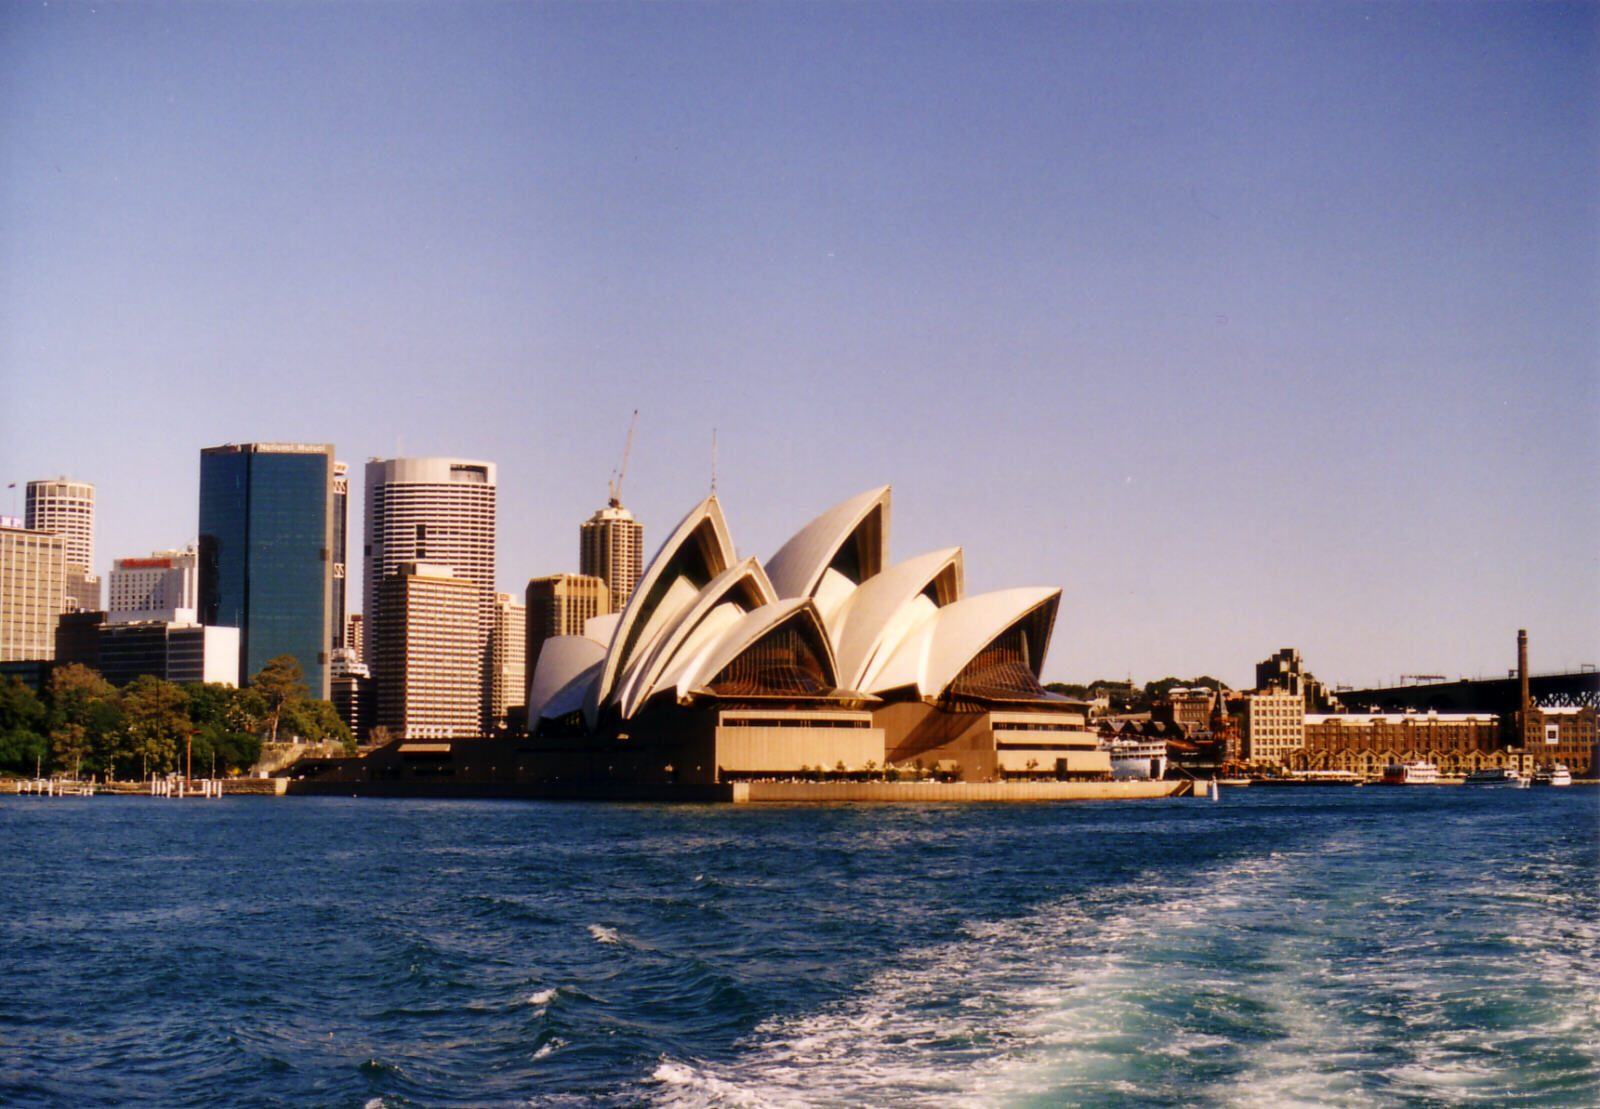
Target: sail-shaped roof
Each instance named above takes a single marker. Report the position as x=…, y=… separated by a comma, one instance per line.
x=698, y=549
x=561, y=659
x=739, y=589
x=747, y=633
x=883, y=610
x=825, y=618
x=934, y=653
x=835, y=552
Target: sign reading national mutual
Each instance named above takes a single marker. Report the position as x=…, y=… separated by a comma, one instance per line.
x=144, y=563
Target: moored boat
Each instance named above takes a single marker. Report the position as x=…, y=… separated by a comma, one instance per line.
x=1496, y=776
x=1410, y=774
x=1137, y=758
x=1556, y=774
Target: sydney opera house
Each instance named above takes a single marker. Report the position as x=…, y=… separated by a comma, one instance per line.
x=826, y=660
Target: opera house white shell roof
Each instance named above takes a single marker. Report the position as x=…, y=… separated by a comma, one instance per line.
x=829, y=596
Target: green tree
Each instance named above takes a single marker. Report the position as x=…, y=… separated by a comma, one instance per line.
x=85, y=719
x=157, y=724
x=280, y=682
x=316, y=721
x=1068, y=689
x=225, y=722
x=1168, y=684
x=22, y=727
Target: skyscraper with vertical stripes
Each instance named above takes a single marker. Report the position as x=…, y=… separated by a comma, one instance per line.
x=66, y=508
x=611, y=547
x=438, y=511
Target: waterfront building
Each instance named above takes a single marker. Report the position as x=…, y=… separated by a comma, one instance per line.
x=611, y=547
x=560, y=604
x=164, y=586
x=178, y=652
x=1455, y=742
x=1546, y=734
x=508, y=686
x=33, y=590
x=1274, y=724
x=428, y=653
x=1190, y=710
x=1566, y=734
x=438, y=511
x=828, y=659
x=66, y=508
x=266, y=545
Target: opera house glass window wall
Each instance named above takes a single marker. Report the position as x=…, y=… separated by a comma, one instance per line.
x=266, y=541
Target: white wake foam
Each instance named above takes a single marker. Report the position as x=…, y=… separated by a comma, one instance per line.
x=1015, y=1010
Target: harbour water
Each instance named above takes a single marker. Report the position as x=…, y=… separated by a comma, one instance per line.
x=1431, y=947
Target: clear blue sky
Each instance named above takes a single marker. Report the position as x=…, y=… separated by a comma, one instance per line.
x=1249, y=326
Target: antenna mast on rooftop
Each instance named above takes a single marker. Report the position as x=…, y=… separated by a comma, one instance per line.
x=614, y=486
x=713, y=462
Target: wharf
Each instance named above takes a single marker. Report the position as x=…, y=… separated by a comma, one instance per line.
x=814, y=792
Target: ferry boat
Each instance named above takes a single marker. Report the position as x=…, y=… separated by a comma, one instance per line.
x=1556, y=774
x=1137, y=758
x=1410, y=774
x=1314, y=778
x=1496, y=776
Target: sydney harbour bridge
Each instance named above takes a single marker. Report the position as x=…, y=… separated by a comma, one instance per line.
x=1579, y=689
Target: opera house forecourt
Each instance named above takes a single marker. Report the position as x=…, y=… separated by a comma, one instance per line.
x=825, y=674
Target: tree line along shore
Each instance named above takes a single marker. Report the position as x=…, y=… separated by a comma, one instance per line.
x=81, y=726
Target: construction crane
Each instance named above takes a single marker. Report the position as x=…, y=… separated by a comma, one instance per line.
x=614, y=486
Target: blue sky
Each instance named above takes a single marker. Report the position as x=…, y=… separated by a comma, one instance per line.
x=1249, y=326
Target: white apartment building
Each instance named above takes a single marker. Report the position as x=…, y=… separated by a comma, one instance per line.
x=1274, y=725
x=33, y=580
x=428, y=657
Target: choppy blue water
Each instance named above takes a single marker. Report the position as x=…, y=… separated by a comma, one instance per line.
x=1372, y=947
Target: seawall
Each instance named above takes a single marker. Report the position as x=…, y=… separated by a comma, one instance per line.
x=801, y=792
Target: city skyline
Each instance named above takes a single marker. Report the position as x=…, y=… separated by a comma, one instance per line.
x=1247, y=326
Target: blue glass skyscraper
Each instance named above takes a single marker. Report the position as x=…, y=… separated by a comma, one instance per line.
x=267, y=537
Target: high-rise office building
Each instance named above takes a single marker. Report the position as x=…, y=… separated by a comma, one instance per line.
x=429, y=657
x=611, y=546
x=439, y=511
x=66, y=508
x=560, y=604
x=164, y=587
x=33, y=580
x=352, y=694
x=353, y=637
x=341, y=531
x=266, y=552
x=508, y=684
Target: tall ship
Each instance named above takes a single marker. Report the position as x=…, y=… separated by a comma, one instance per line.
x=1418, y=773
